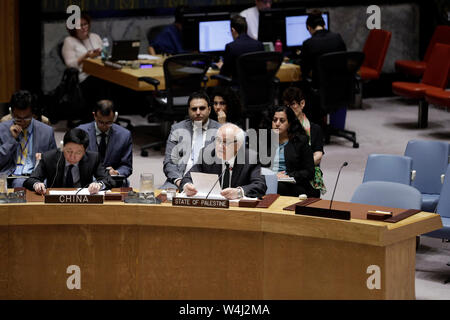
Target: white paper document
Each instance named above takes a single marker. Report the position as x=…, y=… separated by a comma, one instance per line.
x=147, y=57
x=288, y=180
x=203, y=182
x=82, y=192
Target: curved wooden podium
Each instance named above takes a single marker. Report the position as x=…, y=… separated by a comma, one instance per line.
x=135, y=251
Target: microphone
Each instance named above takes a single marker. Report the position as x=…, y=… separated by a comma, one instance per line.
x=337, y=179
x=83, y=188
x=57, y=165
x=220, y=176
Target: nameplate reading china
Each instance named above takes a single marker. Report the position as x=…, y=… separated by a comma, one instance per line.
x=208, y=203
x=74, y=199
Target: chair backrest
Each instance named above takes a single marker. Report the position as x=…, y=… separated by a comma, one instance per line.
x=183, y=74
x=388, y=194
x=443, y=206
x=256, y=71
x=430, y=160
x=375, y=49
x=441, y=35
x=388, y=167
x=271, y=183
x=337, y=78
x=437, y=70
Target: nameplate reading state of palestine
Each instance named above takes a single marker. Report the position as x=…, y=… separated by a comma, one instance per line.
x=209, y=203
x=71, y=199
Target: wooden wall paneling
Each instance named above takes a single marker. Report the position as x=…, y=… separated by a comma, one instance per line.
x=9, y=52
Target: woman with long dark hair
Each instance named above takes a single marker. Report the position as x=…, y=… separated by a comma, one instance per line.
x=226, y=106
x=293, y=160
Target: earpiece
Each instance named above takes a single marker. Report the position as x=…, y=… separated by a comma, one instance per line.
x=116, y=115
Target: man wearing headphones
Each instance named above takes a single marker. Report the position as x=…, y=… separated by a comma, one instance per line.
x=111, y=141
x=74, y=167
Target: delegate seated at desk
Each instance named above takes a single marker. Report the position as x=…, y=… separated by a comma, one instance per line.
x=186, y=139
x=170, y=39
x=322, y=41
x=74, y=167
x=242, y=44
x=111, y=141
x=23, y=139
x=241, y=169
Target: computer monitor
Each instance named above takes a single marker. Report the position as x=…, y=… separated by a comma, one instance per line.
x=296, y=31
x=214, y=35
x=272, y=23
x=191, y=27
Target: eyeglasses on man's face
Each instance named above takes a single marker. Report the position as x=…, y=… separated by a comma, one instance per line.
x=225, y=143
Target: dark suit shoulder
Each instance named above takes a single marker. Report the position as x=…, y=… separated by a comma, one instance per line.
x=87, y=126
x=121, y=130
x=42, y=126
x=51, y=154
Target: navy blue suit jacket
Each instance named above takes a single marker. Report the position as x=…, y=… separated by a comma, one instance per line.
x=119, y=151
x=242, y=44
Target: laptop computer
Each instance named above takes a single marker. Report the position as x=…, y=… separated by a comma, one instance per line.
x=125, y=50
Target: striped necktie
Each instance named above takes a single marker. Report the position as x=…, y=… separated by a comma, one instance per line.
x=23, y=148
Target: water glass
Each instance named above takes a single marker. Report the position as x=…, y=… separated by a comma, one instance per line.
x=146, y=183
x=171, y=193
x=3, y=183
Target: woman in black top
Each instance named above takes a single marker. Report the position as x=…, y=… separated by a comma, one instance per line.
x=293, y=158
x=293, y=98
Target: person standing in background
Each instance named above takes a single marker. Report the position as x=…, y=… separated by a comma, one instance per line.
x=252, y=16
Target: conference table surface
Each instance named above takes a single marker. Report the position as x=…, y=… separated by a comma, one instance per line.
x=142, y=251
x=128, y=77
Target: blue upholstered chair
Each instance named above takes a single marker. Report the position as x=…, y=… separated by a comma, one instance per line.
x=443, y=208
x=430, y=160
x=389, y=167
x=271, y=180
x=388, y=194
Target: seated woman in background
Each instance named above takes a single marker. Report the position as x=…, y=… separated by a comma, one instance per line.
x=293, y=157
x=80, y=45
x=226, y=106
x=293, y=98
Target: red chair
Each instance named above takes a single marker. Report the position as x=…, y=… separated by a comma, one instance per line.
x=438, y=97
x=375, y=50
x=417, y=68
x=435, y=76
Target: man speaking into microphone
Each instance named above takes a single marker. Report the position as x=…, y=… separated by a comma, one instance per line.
x=238, y=167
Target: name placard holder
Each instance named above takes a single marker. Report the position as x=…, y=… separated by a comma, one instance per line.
x=73, y=199
x=323, y=213
x=206, y=203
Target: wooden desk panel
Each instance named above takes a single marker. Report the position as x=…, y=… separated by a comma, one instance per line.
x=128, y=77
x=136, y=251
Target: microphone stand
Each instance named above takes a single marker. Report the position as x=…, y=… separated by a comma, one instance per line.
x=220, y=176
x=323, y=212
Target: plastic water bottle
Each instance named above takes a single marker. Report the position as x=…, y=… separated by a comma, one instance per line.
x=105, y=50
x=278, y=46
